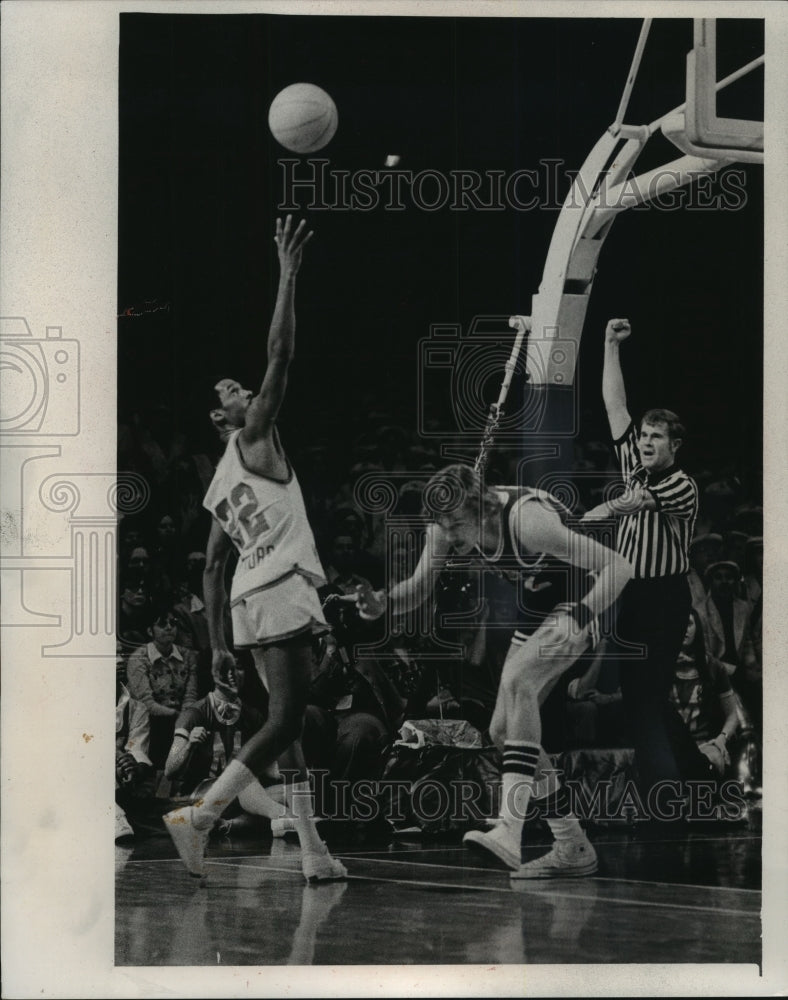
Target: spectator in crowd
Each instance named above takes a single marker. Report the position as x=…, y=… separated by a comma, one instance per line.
x=132, y=739
x=164, y=678
x=748, y=518
x=224, y=716
x=189, y=609
x=353, y=708
x=703, y=551
x=727, y=634
x=134, y=610
x=166, y=554
x=131, y=535
x=348, y=523
x=717, y=506
x=702, y=695
x=734, y=549
x=139, y=560
x=342, y=569
x=753, y=571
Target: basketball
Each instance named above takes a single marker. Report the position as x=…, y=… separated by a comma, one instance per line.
x=303, y=118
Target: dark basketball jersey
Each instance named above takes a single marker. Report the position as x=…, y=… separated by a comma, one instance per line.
x=538, y=581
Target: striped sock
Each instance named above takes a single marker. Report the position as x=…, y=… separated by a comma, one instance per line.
x=517, y=778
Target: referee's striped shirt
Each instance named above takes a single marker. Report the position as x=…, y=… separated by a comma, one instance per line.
x=656, y=542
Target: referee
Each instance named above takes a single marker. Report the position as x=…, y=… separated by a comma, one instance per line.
x=656, y=515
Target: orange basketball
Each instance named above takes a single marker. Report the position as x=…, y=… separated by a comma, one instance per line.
x=303, y=118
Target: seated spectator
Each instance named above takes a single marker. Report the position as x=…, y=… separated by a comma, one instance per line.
x=346, y=553
x=749, y=519
x=189, y=609
x=343, y=562
x=718, y=502
x=727, y=633
x=192, y=759
x=132, y=739
x=753, y=570
x=164, y=678
x=703, y=551
x=135, y=610
x=139, y=561
x=132, y=534
x=166, y=555
x=726, y=619
x=353, y=708
x=734, y=550
x=702, y=695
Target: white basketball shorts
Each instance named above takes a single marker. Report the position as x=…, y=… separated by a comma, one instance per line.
x=281, y=610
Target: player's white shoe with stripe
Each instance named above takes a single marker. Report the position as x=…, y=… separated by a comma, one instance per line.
x=189, y=841
x=281, y=826
x=321, y=867
x=566, y=859
x=501, y=841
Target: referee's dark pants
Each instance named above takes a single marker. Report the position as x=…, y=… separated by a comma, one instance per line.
x=654, y=614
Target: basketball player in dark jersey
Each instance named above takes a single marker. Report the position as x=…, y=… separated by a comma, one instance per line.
x=567, y=580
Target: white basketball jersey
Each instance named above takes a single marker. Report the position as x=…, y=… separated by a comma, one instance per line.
x=266, y=520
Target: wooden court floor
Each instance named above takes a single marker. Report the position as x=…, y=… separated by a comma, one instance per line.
x=682, y=896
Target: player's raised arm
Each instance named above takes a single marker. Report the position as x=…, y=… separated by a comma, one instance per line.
x=411, y=593
x=264, y=407
x=542, y=530
x=613, y=389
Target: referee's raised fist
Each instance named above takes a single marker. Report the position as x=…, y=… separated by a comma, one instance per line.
x=617, y=330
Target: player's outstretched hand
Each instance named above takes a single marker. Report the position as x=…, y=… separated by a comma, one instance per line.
x=617, y=330
x=371, y=603
x=290, y=243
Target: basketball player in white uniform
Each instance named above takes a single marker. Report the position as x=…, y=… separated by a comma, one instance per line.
x=257, y=507
x=565, y=581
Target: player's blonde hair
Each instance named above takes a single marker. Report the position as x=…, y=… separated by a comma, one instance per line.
x=459, y=487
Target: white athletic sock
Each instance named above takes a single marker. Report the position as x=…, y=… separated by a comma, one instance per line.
x=230, y=783
x=256, y=800
x=299, y=798
x=563, y=825
x=566, y=828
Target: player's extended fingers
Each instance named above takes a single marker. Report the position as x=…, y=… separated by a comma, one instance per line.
x=300, y=237
x=278, y=236
x=349, y=598
x=306, y=238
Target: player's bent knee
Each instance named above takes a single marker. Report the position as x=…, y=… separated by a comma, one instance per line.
x=498, y=732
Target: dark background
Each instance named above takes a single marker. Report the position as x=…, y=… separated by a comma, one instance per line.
x=199, y=184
